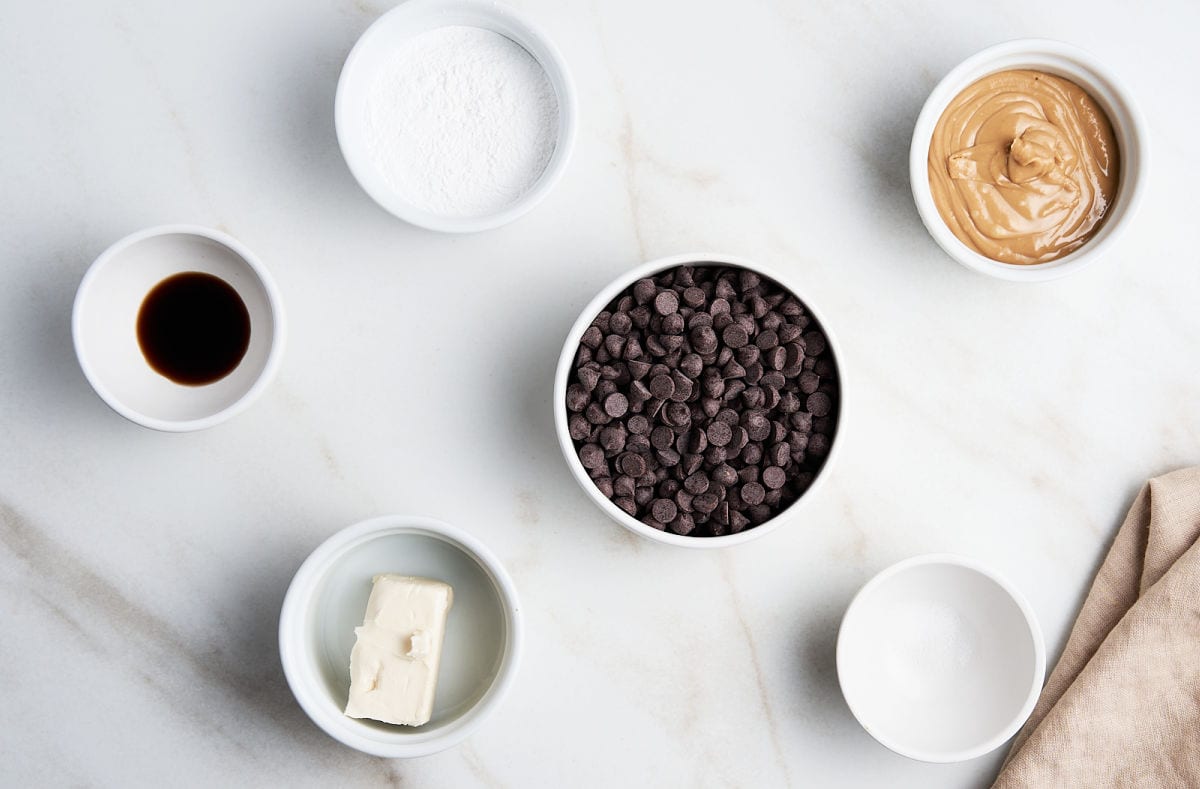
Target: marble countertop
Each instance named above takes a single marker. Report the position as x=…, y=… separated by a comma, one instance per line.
x=141, y=573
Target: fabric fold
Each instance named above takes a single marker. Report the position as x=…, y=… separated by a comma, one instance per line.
x=1122, y=707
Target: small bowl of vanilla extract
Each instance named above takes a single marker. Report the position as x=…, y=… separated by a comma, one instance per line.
x=178, y=327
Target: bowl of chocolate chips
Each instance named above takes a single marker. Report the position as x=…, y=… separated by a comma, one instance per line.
x=697, y=400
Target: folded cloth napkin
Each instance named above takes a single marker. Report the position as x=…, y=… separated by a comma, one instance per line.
x=1122, y=707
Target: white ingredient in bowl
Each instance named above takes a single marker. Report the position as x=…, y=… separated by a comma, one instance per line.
x=461, y=121
x=928, y=650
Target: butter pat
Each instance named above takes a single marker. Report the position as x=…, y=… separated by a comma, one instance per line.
x=394, y=664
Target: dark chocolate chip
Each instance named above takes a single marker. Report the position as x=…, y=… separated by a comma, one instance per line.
x=684, y=524
x=814, y=343
x=773, y=477
x=720, y=433
x=632, y=464
x=591, y=456
x=704, y=339
x=664, y=510
x=735, y=336
x=752, y=493
x=616, y=405
x=666, y=302
x=819, y=404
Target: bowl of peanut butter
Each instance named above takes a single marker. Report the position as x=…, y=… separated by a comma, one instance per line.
x=1028, y=160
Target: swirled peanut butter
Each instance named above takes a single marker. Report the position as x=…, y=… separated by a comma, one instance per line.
x=1023, y=166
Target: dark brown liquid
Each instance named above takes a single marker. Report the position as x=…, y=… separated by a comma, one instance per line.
x=193, y=328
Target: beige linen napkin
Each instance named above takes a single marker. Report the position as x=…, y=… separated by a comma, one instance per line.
x=1122, y=707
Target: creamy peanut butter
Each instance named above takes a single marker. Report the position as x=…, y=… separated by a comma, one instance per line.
x=1023, y=166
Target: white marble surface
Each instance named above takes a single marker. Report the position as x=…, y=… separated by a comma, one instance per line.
x=141, y=573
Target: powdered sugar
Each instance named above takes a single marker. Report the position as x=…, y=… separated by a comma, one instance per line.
x=461, y=121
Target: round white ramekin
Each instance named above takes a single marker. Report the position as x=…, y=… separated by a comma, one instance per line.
x=940, y=658
x=1085, y=70
x=562, y=380
x=104, y=327
x=418, y=16
x=326, y=601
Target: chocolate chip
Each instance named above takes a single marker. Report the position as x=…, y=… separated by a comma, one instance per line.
x=662, y=437
x=612, y=439
x=752, y=493
x=684, y=524
x=735, y=336
x=737, y=522
x=664, y=510
x=616, y=405
x=814, y=343
x=661, y=386
x=683, y=387
x=677, y=415
x=720, y=433
x=627, y=504
x=637, y=444
x=705, y=502
x=632, y=464
x=819, y=404
x=591, y=456
x=578, y=427
x=577, y=398
x=666, y=302
x=624, y=485
x=696, y=483
x=725, y=474
x=780, y=453
x=758, y=427
x=818, y=444
x=704, y=340
x=644, y=290
x=766, y=340
x=673, y=324
x=693, y=297
x=773, y=477
x=621, y=323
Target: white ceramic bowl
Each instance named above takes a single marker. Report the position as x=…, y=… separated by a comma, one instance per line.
x=940, y=659
x=327, y=599
x=562, y=379
x=1101, y=84
x=380, y=40
x=104, y=327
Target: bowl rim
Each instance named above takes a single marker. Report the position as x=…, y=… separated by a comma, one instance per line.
x=275, y=309
x=563, y=372
x=1031, y=622
x=293, y=633
x=1095, y=77
x=552, y=63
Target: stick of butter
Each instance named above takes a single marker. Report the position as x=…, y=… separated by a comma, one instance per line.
x=394, y=665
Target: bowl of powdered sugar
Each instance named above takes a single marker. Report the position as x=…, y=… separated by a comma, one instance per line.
x=455, y=115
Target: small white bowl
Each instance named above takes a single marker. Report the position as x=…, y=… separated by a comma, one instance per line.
x=326, y=601
x=413, y=18
x=1085, y=70
x=104, y=327
x=940, y=659
x=566, y=366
